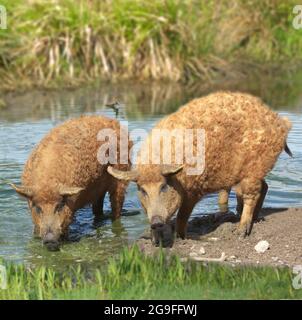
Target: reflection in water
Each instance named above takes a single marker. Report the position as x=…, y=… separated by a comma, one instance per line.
x=91, y=242
x=137, y=101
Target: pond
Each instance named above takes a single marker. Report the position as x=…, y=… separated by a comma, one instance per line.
x=33, y=114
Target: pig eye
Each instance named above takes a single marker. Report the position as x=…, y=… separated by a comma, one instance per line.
x=143, y=191
x=37, y=209
x=164, y=188
x=59, y=206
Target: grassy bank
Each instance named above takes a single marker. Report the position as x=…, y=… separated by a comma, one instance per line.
x=50, y=43
x=133, y=275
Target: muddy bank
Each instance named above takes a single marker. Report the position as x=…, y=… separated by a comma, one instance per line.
x=211, y=236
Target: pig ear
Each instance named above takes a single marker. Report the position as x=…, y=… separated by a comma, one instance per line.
x=168, y=170
x=24, y=191
x=69, y=191
x=123, y=175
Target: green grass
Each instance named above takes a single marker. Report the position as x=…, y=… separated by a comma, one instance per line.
x=132, y=275
x=50, y=43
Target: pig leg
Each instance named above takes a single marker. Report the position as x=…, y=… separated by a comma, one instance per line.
x=182, y=218
x=239, y=207
x=223, y=200
x=97, y=207
x=117, y=196
x=259, y=205
x=251, y=190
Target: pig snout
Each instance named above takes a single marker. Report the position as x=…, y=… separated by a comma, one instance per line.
x=156, y=222
x=51, y=242
x=162, y=233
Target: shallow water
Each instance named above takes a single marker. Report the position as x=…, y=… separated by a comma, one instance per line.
x=34, y=114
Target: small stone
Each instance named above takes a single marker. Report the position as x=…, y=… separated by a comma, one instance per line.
x=233, y=257
x=262, y=246
x=238, y=261
x=202, y=250
x=213, y=239
x=275, y=259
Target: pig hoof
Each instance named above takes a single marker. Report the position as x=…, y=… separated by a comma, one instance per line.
x=241, y=232
x=181, y=236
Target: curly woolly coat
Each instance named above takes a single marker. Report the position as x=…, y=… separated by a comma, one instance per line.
x=63, y=170
x=243, y=139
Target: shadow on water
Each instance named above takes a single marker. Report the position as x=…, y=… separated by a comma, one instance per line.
x=91, y=243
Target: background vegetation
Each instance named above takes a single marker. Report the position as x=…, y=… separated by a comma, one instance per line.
x=50, y=43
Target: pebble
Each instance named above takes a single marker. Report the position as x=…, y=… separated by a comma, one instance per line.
x=202, y=250
x=262, y=246
x=275, y=259
x=213, y=239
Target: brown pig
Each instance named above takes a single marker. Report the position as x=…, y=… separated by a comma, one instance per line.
x=242, y=141
x=63, y=174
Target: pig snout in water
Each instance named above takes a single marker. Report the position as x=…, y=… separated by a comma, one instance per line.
x=51, y=242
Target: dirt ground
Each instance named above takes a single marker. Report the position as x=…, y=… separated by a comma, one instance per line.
x=211, y=236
